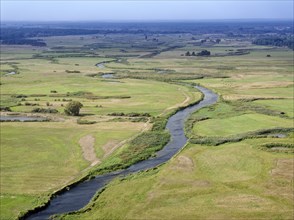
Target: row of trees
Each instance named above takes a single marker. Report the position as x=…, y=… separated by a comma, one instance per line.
x=72, y=108
x=202, y=53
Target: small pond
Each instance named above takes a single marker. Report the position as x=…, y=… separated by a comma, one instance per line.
x=277, y=135
x=21, y=118
x=107, y=76
x=100, y=65
x=11, y=73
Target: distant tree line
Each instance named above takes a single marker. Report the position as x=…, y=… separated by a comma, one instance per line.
x=16, y=33
x=244, y=27
x=20, y=33
x=275, y=41
x=22, y=36
x=22, y=41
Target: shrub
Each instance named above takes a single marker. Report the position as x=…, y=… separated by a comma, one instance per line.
x=132, y=114
x=5, y=109
x=159, y=123
x=283, y=145
x=73, y=108
x=85, y=122
x=31, y=104
x=204, y=53
x=72, y=71
x=116, y=114
x=144, y=146
x=19, y=96
x=66, y=100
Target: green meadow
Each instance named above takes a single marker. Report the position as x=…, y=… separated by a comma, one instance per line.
x=250, y=178
x=239, y=124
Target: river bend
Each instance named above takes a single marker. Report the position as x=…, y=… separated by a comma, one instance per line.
x=80, y=195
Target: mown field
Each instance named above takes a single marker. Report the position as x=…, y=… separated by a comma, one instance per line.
x=240, y=178
x=37, y=158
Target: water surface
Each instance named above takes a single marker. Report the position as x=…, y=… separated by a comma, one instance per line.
x=107, y=76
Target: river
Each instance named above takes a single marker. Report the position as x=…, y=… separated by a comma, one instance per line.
x=80, y=195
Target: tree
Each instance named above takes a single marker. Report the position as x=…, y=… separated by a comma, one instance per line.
x=204, y=53
x=187, y=53
x=73, y=108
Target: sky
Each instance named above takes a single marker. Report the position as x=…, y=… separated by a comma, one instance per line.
x=142, y=10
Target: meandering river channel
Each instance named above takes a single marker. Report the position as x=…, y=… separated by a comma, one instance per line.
x=80, y=195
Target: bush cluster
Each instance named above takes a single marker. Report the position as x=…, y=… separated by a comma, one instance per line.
x=44, y=110
x=132, y=114
x=5, y=109
x=85, y=122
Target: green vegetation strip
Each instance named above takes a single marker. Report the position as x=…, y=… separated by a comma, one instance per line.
x=214, y=141
x=141, y=147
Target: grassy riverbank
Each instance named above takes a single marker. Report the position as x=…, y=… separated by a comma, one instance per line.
x=232, y=181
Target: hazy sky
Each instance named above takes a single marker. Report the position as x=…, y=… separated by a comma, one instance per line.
x=54, y=10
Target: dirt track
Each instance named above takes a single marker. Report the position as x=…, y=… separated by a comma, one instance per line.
x=87, y=143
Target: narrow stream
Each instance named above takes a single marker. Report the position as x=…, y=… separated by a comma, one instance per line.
x=80, y=195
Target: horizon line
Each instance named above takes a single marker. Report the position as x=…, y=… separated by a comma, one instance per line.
x=153, y=20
